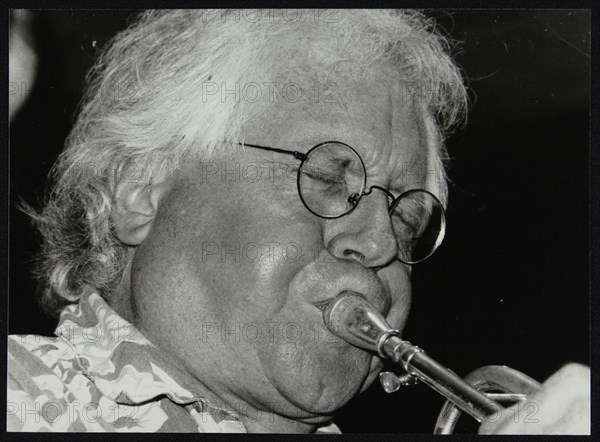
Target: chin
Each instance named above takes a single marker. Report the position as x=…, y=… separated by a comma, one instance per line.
x=318, y=379
x=335, y=388
x=376, y=366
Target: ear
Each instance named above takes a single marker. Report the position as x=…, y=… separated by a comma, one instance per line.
x=135, y=207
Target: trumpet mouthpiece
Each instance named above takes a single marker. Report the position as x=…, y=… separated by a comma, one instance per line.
x=355, y=320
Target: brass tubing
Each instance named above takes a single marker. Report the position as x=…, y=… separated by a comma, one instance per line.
x=351, y=317
x=415, y=362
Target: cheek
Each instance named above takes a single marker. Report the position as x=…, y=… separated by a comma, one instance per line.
x=245, y=258
x=269, y=258
x=397, y=278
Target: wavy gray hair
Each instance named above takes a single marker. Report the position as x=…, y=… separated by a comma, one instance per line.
x=146, y=108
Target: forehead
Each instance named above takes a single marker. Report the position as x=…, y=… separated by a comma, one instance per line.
x=370, y=114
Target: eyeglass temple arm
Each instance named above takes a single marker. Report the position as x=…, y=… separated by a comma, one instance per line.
x=298, y=155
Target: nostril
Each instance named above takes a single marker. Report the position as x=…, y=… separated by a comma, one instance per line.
x=348, y=253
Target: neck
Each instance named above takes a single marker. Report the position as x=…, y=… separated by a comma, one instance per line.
x=255, y=420
x=279, y=427
x=120, y=302
x=260, y=421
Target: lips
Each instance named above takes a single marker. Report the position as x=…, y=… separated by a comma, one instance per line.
x=336, y=279
x=383, y=299
x=322, y=305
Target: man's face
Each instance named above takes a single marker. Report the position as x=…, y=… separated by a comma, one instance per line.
x=228, y=278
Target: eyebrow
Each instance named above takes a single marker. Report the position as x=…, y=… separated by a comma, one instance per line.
x=407, y=176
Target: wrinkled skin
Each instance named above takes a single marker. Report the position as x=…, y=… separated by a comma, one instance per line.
x=243, y=322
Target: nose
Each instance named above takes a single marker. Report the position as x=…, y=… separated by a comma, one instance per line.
x=364, y=235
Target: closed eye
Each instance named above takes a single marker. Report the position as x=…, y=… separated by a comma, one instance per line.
x=323, y=177
x=410, y=221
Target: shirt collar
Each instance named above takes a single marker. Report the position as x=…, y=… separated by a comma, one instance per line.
x=123, y=363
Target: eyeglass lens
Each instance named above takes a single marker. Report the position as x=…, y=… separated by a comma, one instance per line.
x=332, y=179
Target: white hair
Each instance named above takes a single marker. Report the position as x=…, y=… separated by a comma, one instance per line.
x=147, y=107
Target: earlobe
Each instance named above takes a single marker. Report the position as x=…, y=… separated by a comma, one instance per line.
x=135, y=208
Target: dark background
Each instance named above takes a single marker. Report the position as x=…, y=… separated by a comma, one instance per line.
x=510, y=284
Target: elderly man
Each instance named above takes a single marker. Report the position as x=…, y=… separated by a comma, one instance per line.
x=229, y=174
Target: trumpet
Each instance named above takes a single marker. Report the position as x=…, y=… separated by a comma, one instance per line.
x=480, y=394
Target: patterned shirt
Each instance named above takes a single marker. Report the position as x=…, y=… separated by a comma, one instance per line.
x=101, y=374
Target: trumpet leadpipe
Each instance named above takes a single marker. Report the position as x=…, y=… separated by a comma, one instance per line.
x=352, y=318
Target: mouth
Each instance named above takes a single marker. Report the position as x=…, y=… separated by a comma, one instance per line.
x=322, y=305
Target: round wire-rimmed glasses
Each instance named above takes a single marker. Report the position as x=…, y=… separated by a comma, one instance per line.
x=332, y=181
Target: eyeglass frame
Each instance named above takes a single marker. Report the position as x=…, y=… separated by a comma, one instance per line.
x=302, y=157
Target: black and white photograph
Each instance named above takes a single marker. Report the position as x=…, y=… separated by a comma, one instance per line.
x=351, y=221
